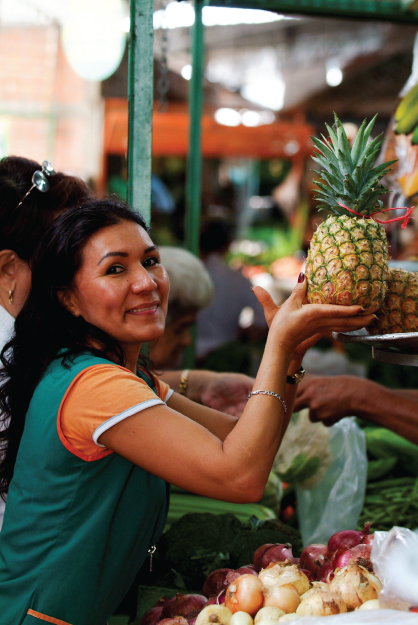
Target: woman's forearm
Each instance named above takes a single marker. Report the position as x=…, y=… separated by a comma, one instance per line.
x=259, y=431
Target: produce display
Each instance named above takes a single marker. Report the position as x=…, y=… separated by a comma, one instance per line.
x=392, y=502
x=277, y=587
x=199, y=543
x=348, y=257
x=399, y=311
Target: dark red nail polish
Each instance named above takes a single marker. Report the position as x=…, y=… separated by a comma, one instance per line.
x=301, y=277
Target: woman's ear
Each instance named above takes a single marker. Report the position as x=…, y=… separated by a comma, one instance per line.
x=66, y=299
x=8, y=270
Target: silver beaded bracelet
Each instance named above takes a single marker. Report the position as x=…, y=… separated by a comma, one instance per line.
x=269, y=393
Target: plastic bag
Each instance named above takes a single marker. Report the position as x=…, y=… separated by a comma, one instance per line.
x=395, y=562
x=336, y=501
x=304, y=455
x=372, y=617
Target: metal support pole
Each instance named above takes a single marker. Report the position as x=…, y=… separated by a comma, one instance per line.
x=140, y=94
x=194, y=159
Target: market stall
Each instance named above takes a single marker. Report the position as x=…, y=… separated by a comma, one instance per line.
x=200, y=144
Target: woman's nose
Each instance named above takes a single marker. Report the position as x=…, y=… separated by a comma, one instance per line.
x=143, y=281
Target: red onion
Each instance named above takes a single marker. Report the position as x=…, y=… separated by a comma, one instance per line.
x=215, y=582
x=327, y=569
x=368, y=540
x=218, y=600
x=192, y=616
x=258, y=553
x=345, y=540
x=153, y=616
x=177, y=620
x=182, y=605
x=313, y=557
x=308, y=574
x=360, y=554
x=274, y=553
x=243, y=570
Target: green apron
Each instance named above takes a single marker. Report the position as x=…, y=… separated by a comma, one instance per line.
x=75, y=532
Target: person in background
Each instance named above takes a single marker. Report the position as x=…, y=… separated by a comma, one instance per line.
x=218, y=324
x=191, y=290
x=24, y=218
x=332, y=398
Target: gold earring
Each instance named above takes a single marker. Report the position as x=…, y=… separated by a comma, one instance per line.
x=10, y=297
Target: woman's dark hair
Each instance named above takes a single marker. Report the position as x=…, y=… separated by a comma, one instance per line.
x=21, y=228
x=44, y=326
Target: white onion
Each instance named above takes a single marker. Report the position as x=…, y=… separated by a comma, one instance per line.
x=320, y=601
x=372, y=604
x=285, y=574
x=285, y=597
x=270, y=613
x=287, y=618
x=211, y=614
x=241, y=618
x=355, y=585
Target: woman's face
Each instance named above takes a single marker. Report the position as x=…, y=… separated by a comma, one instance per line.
x=121, y=286
x=167, y=351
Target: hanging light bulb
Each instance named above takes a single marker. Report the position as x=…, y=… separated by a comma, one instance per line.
x=94, y=37
x=334, y=75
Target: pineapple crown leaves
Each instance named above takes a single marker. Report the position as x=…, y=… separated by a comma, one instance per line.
x=348, y=172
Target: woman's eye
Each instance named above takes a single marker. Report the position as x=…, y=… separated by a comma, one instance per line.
x=115, y=269
x=151, y=261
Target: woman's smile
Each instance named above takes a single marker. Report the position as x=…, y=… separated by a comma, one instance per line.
x=145, y=309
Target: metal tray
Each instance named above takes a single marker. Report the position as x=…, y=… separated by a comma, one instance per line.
x=400, y=349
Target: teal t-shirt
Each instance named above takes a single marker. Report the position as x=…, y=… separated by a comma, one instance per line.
x=75, y=532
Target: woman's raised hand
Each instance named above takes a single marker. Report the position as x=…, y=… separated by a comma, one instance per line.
x=295, y=323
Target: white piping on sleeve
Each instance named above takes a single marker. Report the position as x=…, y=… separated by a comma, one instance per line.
x=169, y=394
x=123, y=415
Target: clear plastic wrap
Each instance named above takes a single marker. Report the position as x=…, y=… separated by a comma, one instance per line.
x=395, y=562
x=372, y=617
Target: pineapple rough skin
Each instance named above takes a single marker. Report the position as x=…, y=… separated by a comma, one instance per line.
x=347, y=263
x=399, y=311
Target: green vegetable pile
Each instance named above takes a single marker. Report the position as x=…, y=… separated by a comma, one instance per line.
x=391, y=502
x=199, y=543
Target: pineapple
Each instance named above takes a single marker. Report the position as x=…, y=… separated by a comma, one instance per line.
x=348, y=257
x=399, y=311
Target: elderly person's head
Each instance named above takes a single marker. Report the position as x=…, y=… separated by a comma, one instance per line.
x=191, y=290
x=25, y=214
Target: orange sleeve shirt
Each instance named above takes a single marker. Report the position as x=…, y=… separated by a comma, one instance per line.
x=98, y=398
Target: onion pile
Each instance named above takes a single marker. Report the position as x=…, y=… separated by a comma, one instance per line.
x=328, y=579
x=343, y=548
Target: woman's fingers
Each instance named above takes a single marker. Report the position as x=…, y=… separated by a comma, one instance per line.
x=332, y=310
x=265, y=299
x=347, y=323
x=299, y=292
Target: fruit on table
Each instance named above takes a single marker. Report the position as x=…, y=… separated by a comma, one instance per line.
x=348, y=257
x=399, y=310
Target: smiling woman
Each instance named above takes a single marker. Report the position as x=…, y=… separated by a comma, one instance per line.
x=91, y=438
